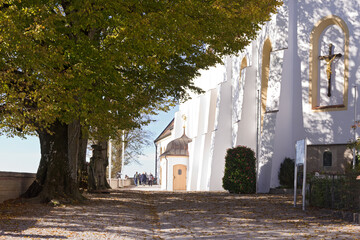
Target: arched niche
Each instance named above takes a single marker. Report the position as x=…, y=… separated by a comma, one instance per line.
x=318, y=67
x=243, y=63
x=265, y=69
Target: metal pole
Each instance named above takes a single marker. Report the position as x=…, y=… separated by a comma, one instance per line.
x=295, y=183
x=167, y=169
x=258, y=122
x=355, y=123
x=123, y=154
x=156, y=159
x=304, y=176
x=109, y=153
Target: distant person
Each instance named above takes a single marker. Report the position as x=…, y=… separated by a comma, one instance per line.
x=143, y=178
x=136, y=176
x=151, y=179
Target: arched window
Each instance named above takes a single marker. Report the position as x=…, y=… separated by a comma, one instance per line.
x=243, y=64
x=265, y=69
x=328, y=73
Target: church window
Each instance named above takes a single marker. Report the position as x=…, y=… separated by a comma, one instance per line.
x=265, y=69
x=328, y=63
x=327, y=159
x=243, y=64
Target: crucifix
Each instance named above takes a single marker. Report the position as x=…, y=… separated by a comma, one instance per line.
x=329, y=59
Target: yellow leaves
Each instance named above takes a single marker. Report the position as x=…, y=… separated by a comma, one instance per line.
x=156, y=46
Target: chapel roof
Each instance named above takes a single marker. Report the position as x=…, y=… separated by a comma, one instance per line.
x=177, y=147
x=166, y=132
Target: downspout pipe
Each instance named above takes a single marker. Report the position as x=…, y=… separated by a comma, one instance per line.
x=167, y=169
x=156, y=159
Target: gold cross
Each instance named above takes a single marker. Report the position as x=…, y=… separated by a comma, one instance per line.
x=184, y=118
x=329, y=59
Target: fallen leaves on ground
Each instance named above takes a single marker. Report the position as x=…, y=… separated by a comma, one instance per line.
x=170, y=215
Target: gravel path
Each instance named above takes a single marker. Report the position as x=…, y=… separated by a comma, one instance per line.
x=128, y=214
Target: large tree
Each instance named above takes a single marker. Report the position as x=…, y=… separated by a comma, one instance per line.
x=69, y=67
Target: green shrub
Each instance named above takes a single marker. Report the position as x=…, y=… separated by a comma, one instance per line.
x=335, y=191
x=240, y=175
x=286, y=173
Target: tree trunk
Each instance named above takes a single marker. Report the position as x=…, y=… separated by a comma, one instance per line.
x=97, y=168
x=56, y=177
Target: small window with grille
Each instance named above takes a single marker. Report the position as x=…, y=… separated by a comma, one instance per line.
x=327, y=159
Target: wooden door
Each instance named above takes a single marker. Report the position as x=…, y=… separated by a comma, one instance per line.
x=179, y=182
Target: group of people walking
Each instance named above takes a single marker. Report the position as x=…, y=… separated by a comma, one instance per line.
x=143, y=179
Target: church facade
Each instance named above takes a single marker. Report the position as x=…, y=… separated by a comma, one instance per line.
x=297, y=80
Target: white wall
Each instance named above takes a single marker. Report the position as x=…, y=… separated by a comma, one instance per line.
x=168, y=164
x=328, y=127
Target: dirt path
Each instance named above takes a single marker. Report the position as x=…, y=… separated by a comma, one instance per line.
x=163, y=215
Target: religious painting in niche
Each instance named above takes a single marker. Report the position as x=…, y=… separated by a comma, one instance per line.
x=327, y=159
x=331, y=67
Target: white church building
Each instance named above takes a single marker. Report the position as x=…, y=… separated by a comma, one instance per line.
x=297, y=80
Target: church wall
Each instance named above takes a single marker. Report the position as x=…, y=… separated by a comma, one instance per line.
x=329, y=127
x=205, y=102
x=208, y=147
x=294, y=73
x=211, y=78
x=192, y=114
x=246, y=135
x=221, y=139
x=160, y=148
x=273, y=40
x=195, y=160
x=289, y=126
x=244, y=88
x=162, y=173
x=283, y=140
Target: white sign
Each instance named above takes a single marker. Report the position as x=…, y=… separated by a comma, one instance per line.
x=300, y=152
x=300, y=159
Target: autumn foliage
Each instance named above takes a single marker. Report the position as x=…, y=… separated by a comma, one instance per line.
x=240, y=175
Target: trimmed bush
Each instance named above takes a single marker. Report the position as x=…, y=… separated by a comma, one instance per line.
x=240, y=175
x=286, y=173
x=335, y=191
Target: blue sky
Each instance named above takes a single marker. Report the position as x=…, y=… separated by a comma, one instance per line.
x=18, y=155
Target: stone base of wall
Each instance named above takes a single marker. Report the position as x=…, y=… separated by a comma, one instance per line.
x=13, y=184
x=341, y=158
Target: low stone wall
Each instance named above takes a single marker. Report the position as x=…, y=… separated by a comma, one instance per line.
x=13, y=184
x=119, y=183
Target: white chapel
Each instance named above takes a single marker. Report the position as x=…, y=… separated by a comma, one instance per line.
x=299, y=79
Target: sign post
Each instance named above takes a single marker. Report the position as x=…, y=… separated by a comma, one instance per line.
x=300, y=146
